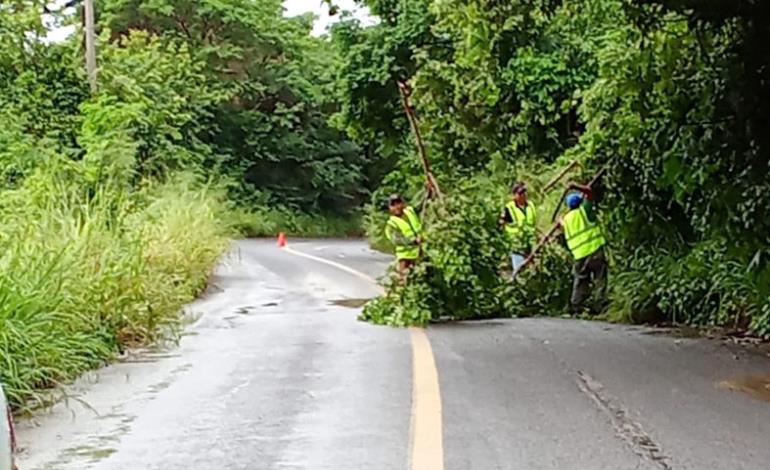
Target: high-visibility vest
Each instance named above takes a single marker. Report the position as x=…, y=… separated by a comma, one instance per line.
x=410, y=227
x=583, y=236
x=523, y=221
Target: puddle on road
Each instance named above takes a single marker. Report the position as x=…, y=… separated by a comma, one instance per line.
x=758, y=386
x=93, y=455
x=350, y=303
x=248, y=310
x=100, y=454
x=252, y=309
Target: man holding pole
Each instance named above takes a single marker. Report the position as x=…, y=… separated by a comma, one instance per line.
x=518, y=220
x=404, y=230
x=586, y=243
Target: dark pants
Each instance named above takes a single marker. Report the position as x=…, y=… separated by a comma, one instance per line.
x=590, y=270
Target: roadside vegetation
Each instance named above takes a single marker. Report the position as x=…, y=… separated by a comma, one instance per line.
x=671, y=97
x=211, y=120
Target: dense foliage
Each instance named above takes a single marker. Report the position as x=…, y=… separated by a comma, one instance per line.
x=268, y=127
x=670, y=96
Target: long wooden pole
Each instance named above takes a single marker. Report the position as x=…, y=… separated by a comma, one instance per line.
x=558, y=177
x=403, y=89
x=543, y=241
x=90, y=45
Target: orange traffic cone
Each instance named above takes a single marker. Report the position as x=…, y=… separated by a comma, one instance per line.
x=281, y=240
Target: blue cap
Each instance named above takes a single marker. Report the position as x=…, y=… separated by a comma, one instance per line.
x=574, y=200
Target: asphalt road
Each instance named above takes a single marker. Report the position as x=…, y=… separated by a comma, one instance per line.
x=275, y=373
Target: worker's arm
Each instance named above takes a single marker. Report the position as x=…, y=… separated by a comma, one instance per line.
x=588, y=203
x=583, y=188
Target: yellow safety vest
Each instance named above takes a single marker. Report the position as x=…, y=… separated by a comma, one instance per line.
x=523, y=221
x=583, y=236
x=410, y=227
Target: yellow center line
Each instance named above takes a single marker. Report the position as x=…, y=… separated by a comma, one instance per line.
x=426, y=435
x=427, y=445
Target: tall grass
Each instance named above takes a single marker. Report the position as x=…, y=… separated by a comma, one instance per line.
x=84, y=273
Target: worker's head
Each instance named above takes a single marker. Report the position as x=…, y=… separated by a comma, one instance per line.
x=396, y=205
x=574, y=200
x=519, y=193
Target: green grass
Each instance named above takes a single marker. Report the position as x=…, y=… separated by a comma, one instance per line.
x=270, y=222
x=84, y=276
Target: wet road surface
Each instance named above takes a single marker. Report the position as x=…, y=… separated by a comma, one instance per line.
x=276, y=373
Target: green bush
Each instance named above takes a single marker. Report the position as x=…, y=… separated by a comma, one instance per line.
x=704, y=287
x=544, y=288
x=411, y=304
x=270, y=222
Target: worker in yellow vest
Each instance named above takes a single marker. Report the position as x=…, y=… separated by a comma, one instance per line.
x=586, y=243
x=404, y=230
x=518, y=219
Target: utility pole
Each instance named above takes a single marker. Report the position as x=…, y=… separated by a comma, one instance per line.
x=90, y=44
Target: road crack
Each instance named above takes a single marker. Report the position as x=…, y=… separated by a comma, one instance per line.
x=625, y=427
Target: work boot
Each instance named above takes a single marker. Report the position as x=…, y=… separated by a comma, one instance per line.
x=600, y=307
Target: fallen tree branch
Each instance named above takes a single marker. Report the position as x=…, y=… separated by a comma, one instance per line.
x=432, y=184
